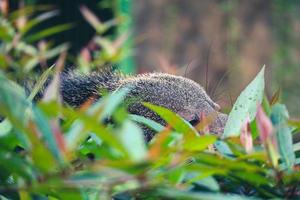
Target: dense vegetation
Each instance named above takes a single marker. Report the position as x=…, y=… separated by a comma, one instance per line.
x=51, y=151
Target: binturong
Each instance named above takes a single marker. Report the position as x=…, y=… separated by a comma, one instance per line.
x=180, y=95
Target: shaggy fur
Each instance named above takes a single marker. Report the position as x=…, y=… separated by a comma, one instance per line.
x=179, y=94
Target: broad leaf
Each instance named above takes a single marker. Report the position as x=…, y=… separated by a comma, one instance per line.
x=279, y=117
x=245, y=105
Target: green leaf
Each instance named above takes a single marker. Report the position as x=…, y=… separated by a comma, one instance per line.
x=47, y=135
x=131, y=136
x=203, y=180
x=56, y=51
x=42, y=157
x=13, y=163
x=199, y=143
x=173, y=119
x=5, y=127
x=31, y=63
x=28, y=11
x=174, y=193
x=13, y=105
x=223, y=148
x=37, y=20
x=48, y=32
x=5, y=34
x=93, y=20
x=83, y=126
x=148, y=122
x=27, y=49
x=107, y=105
x=39, y=85
x=245, y=105
x=296, y=146
x=175, y=175
x=279, y=118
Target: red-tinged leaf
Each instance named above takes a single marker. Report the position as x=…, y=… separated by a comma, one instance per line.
x=42, y=157
x=4, y=7
x=157, y=146
x=21, y=22
x=119, y=42
x=60, y=140
x=205, y=121
x=52, y=91
x=92, y=19
x=85, y=55
x=246, y=136
x=264, y=125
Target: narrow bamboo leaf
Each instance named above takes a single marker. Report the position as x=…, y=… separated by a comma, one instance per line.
x=13, y=97
x=24, y=195
x=199, y=143
x=28, y=11
x=15, y=164
x=27, y=49
x=178, y=194
x=266, y=105
x=93, y=20
x=40, y=83
x=46, y=132
x=56, y=51
x=48, y=32
x=6, y=34
x=253, y=178
x=295, y=123
x=223, y=148
x=13, y=105
x=159, y=144
x=31, y=63
x=42, y=157
x=3, y=198
x=174, y=120
x=245, y=105
x=108, y=104
x=148, y=122
x=203, y=180
x=210, y=183
x=226, y=163
x=83, y=126
x=131, y=137
x=37, y=20
x=276, y=98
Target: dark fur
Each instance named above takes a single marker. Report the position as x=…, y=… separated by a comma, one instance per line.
x=179, y=94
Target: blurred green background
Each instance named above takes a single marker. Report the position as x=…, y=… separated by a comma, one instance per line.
x=220, y=44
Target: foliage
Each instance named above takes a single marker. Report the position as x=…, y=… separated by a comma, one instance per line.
x=51, y=151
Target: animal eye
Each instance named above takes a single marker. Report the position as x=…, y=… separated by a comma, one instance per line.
x=195, y=120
